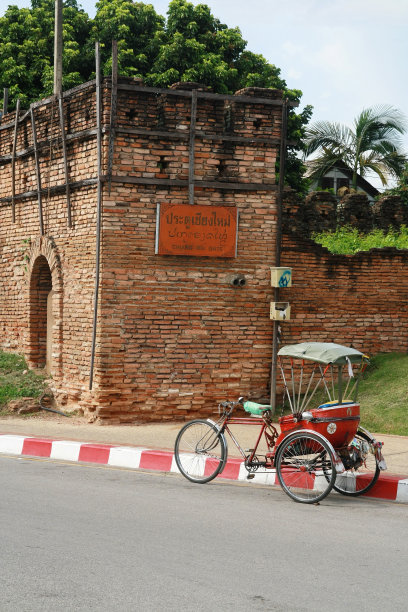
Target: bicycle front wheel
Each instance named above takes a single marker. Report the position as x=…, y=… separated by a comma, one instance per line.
x=200, y=451
x=305, y=467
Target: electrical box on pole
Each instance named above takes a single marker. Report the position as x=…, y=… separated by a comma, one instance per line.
x=280, y=311
x=281, y=277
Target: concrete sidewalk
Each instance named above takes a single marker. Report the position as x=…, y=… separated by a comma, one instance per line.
x=151, y=446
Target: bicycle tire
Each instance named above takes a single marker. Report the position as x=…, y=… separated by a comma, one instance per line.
x=200, y=451
x=355, y=482
x=305, y=467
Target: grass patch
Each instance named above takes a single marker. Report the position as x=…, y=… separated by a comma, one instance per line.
x=347, y=240
x=16, y=380
x=383, y=395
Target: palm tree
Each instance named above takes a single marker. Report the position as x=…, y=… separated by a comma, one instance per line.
x=374, y=144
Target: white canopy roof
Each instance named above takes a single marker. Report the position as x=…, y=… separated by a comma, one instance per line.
x=323, y=352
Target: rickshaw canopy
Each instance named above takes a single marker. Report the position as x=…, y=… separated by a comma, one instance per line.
x=323, y=352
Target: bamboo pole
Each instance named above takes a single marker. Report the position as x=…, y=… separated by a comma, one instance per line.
x=5, y=100
x=64, y=152
x=114, y=96
x=13, y=164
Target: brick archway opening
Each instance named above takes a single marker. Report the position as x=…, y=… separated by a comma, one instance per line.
x=40, y=324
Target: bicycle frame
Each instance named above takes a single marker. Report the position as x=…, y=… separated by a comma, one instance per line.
x=267, y=431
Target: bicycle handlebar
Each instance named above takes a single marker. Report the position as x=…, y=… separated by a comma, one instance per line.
x=228, y=406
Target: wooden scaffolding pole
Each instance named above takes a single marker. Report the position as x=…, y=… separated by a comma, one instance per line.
x=191, y=147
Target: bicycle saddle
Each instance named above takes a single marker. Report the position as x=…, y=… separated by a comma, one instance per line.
x=255, y=408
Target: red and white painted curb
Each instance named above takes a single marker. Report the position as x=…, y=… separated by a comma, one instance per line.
x=391, y=487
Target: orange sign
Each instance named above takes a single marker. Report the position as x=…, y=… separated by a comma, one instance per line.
x=200, y=231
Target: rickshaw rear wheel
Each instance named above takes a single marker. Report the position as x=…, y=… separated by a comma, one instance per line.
x=357, y=481
x=305, y=467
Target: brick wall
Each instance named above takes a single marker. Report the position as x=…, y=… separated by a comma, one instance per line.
x=174, y=335
x=66, y=255
x=359, y=300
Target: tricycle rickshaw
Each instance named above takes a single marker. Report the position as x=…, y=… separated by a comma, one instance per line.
x=317, y=449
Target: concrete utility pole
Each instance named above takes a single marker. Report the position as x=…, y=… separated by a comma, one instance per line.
x=58, y=48
x=278, y=247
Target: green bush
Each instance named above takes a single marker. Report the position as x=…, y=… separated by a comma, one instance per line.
x=347, y=240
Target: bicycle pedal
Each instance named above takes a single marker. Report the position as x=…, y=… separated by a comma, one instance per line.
x=250, y=476
x=249, y=450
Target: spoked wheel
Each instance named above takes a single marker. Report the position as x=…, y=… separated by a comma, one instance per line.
x=200, y=451
x=305, y=467
x=358, y=480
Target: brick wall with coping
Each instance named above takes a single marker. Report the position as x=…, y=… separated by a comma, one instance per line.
x=321, y=211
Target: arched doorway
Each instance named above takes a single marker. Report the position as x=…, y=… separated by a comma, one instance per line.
x=41, y=315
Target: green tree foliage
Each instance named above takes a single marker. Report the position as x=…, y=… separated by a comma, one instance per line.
x=190, y=45
x=295, y=168
x=401, y=189
x=27, y=49
x=197, y=47
x=374, y=144
x=138, y=30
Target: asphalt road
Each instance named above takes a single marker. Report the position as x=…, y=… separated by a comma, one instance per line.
x=75, y=537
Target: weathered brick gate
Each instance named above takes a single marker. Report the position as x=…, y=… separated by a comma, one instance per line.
x=172, y=333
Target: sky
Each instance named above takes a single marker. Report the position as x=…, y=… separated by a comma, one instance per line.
x=344, y=55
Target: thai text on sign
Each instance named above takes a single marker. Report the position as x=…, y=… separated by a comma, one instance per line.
x=200, y=231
